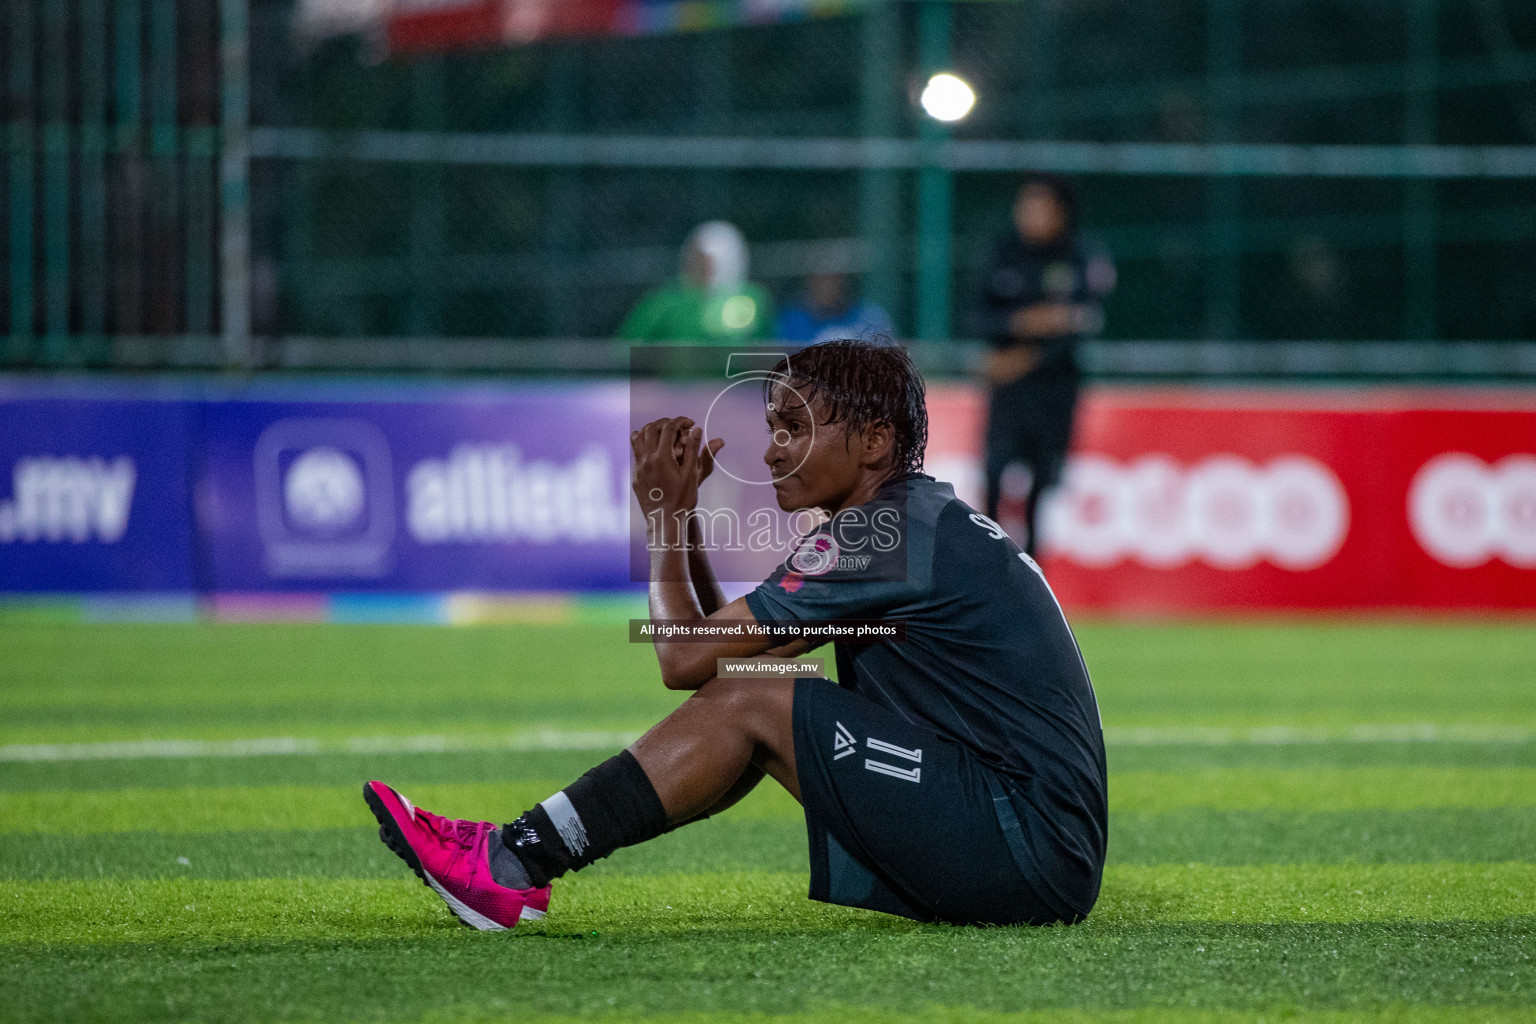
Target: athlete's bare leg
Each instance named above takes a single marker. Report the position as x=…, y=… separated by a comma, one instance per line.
x=717, y=745
x=699, y=760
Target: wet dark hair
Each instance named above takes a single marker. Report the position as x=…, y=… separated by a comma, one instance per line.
x=860, y=383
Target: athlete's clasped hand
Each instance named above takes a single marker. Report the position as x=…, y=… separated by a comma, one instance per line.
x=670, y=465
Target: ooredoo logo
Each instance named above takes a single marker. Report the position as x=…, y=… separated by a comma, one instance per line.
x=1224, y=510
x=1464, y=512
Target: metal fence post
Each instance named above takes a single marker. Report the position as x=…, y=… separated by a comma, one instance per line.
x=1223, y=201
x=128, y=147
x=1419, y=227
x=165, y=167
x=560, y=233
x=879, y=212
x=425, y=236
x=935, y=184
x=22, y=180
x=713, y=94
x=234, y=183
x=200, y=156
x=92, y=154
x=57, y=200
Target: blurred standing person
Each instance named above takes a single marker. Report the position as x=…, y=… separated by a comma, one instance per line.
x=828, y=309
x=711, y=302
x=1042, y=294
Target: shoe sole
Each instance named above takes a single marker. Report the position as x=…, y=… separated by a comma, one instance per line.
x=392, y=837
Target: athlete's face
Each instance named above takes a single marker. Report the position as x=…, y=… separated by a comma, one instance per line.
x=1038, y=215
x=816, y=464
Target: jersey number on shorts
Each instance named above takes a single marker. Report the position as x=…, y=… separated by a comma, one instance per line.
x=891, y=749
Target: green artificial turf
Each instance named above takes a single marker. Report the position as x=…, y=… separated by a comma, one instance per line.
x=1319, y=822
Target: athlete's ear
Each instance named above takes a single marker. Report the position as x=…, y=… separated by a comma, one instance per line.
x=879, y=443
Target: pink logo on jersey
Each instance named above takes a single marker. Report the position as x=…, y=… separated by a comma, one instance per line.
x=792, y=582
x=816, y=556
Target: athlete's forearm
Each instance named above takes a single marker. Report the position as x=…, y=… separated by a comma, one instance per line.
x=673, y=592
x=689, y=663
x=673, y=596
x=666, y=485
x=706, y=586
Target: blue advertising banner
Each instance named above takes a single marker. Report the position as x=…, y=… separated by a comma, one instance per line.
x=284, y=488
x=523, y=487
x=94, y=490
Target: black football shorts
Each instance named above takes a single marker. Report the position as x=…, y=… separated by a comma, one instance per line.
x=903, y=821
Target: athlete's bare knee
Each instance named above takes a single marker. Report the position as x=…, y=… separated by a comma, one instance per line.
x=730, y=697
x=754, y=705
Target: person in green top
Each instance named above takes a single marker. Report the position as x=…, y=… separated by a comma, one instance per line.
x=711, y=302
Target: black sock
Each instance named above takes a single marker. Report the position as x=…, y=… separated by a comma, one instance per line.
x=612, y=806
x=505, y=867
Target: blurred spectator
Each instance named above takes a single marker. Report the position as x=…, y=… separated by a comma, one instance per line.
x=827, y=308
x=711, y=302
x=1313, y=292
x=1041, y=295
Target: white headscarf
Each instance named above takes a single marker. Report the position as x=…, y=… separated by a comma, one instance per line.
x=726, y=248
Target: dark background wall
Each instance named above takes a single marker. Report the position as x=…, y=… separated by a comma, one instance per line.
x=349, y=246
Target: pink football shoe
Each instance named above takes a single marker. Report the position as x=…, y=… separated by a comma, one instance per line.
x=450, y=855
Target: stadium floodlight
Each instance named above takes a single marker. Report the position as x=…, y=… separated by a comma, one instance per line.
x=947, y=97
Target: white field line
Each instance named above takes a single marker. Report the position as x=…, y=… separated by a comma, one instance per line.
x=537, y=739
x=563, y=739
x=1289, y=735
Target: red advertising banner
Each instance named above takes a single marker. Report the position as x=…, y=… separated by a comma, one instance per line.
x=433, y=25
x=1197, y=500
x=416, y=25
